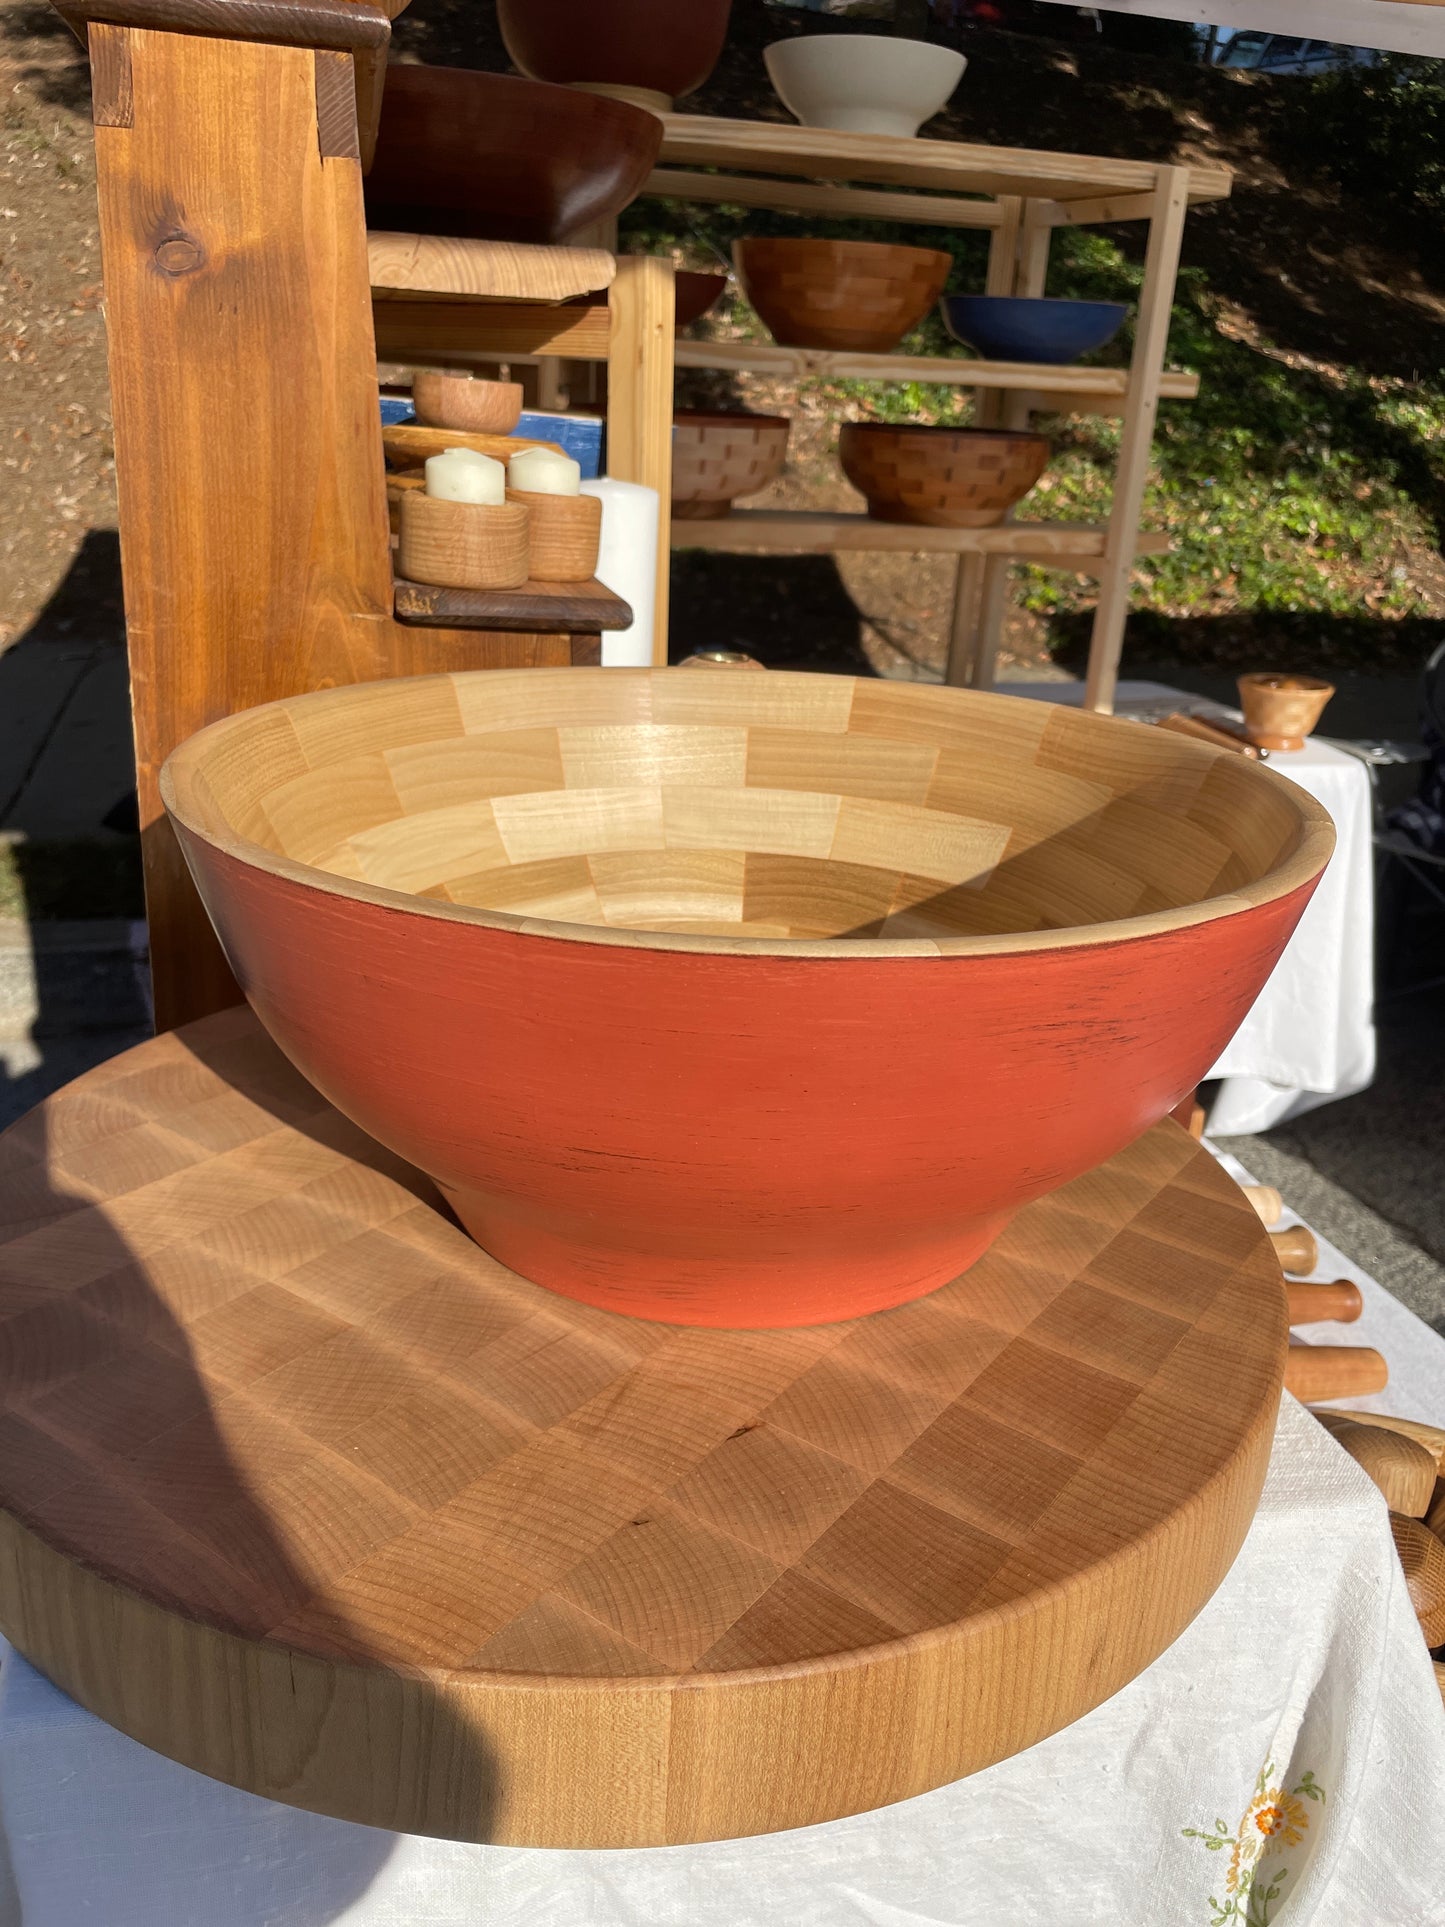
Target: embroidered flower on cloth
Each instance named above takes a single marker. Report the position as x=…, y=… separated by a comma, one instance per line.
x=1274, y=1820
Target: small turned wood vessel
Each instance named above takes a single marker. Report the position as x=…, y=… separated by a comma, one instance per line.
x=952, y=478
x=717, y=457
x=1281, y=711
x=463, y=545
x=765, y=929
x=858, y=295
x=304, y=1490
x=463, y=401
x=563, y=532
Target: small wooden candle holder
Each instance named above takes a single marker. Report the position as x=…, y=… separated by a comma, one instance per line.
x=463, y=545
x=462, y=401
x=564, y=534
x=1280, y=711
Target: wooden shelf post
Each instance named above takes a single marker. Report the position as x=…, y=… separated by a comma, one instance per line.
x=639, y=399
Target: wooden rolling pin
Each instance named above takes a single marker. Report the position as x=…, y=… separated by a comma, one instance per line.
x=1402, y=1468
x=1339, y=1303
x=1296, y=1249
x=1334, y=1371
x=1207, y=732
x=1423, y=1558
x=1266, y=1201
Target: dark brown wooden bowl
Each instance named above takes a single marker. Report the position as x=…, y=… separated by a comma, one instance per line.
x=496, y=158
x=665, y=47
x=948, y=478
x=858, y=295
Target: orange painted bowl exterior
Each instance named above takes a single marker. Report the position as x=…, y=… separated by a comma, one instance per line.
x=749, y=1129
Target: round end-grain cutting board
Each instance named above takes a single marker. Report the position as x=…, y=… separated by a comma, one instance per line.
x=301, y=1488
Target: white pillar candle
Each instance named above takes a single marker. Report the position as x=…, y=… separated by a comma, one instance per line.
x=545, y=471
x=463, y=475
x=627, y=565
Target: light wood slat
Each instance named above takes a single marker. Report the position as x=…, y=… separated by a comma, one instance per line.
x=816, y=197
x=825, y=153
x=303, y=1489
x=497, y=270
x=822, y=531
x=455, y=329
x=831, y=364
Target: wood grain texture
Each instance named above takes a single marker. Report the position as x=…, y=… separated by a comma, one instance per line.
x=1334, y=1371
x=1340, y=1302
x=1432, y=1437
x=452, y=330
x=303, y=1490
x=718, y=457
x=1401, y=1467
x=1296, y=1248
x=563, y=533
x=748, y=917
x=491, y=157
x=409, y=444
x=494, y=270
x=1423, y=1558
x=642, y=310
x=962, y=167
x=584, y=608
x=462, y=401
x=463, y=545
x=961, y=478
x=858, y=296
x=1064, y=545
x=112, y=102
x=346, y=25
x=821, y=197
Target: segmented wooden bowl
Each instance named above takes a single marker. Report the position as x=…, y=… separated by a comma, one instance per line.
x=859, y=295
x=952, y=478
x=718, y=457
x=739, y=1000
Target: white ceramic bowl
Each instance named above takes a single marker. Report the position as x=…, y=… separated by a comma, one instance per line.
x=865, y=83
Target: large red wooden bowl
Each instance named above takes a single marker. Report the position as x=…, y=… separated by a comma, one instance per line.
x=739, y=1000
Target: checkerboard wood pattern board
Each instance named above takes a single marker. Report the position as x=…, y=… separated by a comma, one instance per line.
x=303, y=1489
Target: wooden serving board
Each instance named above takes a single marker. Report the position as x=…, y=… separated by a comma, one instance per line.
x=301, y=1488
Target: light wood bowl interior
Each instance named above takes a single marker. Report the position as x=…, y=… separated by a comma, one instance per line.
x=765, y=810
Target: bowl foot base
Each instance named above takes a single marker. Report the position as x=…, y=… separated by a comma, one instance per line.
x=729, y=1292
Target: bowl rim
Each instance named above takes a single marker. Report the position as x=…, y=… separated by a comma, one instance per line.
x=745, y=242
x=1037, y=301
x=1302, y=866
x=715, y=417
x=944, y=428
x=892, y=41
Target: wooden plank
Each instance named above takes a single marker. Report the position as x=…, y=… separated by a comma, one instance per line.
x=640, y=399
x=456, y=329
x=255, y=564
x=821, y=153
x=1108, y=207
x=820, y=197
x=495, y=270
x=577, y=607
x=112, y=103
x=959, y=371
x=827, y=532
x=1151, y=342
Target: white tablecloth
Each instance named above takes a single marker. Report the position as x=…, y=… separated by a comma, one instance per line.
x=1310, y=1036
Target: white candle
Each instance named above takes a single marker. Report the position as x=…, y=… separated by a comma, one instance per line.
x=463, y=475
x=545, y=471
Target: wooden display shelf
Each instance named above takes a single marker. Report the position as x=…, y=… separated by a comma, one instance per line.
x=959, y=371
x=303, y=1489
x=826, y=531
x=578, y=608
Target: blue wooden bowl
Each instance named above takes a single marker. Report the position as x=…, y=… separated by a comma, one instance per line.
x=1003, y=327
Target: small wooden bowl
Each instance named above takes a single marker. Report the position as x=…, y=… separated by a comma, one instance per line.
x=463, y=545
x=461, y=401
x=563, y=534
x=1281, y=711
x=859, y=295
x=717, y=457
x=694, y=293
x=943, y=478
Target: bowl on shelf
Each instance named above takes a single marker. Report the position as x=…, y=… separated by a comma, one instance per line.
x=1010, y=327
x=718, y=457
x=862, y=83
x=462, y=401
x=1280, y=711
x=491, y=157
x=648, y=51
x=695, y=292
x=744, y=1000
x=862, y=296
x=943, y=478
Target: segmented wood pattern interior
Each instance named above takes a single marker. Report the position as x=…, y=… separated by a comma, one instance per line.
x=859, y=295
x=718, y=457
x=782, y=806
x=950, y=478
x=302, y=1488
